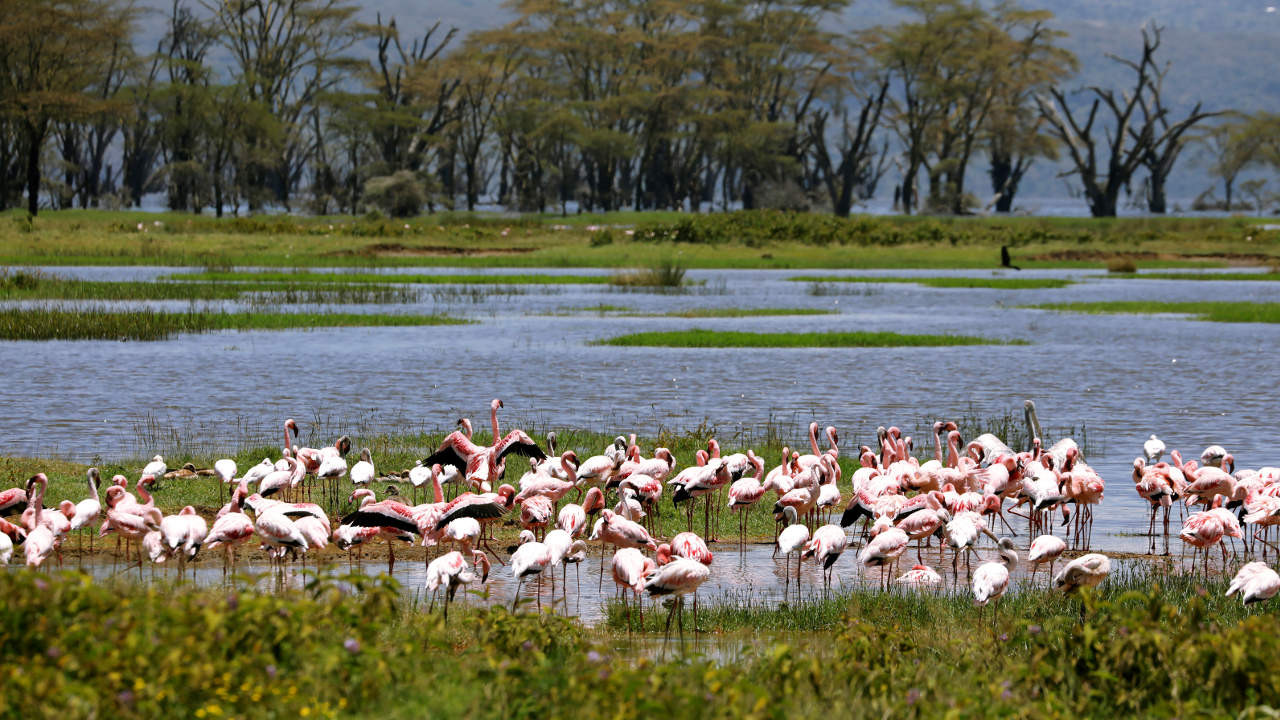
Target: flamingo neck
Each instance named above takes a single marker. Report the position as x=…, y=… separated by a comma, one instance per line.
x=141, y=489
x=813, y=438
x=493, y=417
x=438, y=492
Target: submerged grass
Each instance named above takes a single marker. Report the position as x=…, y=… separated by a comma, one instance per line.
x=411, y=279
x=736, y=312
x=994, y=283
x=1232, y=312
x=1228, y=277
x=730, y=339
x=146, y=324
x=23, y=285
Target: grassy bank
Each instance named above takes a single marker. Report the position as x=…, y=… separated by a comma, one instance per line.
x=1236, y=312
x=1217, y=276
x=992, y=283
x=103, y=324
x=75, y=648
x=757, y=239
x=730, y=339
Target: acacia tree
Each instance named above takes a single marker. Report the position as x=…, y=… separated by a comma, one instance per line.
x=1138, y=129
x=51, y=55
x=851, y=166
x=286, y=54
x=1015, y=134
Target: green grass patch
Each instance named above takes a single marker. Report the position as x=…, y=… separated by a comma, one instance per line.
x=408, y=279
x=103, y=324
x=732, y=339
x=946, y=282
x=755, y=239
x=353, y=647
x=1233, y=312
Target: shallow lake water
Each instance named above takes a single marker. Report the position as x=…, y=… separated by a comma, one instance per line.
x=1124, y=377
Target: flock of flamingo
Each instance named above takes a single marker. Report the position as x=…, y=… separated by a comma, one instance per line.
x=966, y=492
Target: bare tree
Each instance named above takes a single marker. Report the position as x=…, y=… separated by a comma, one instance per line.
x=1140, y=131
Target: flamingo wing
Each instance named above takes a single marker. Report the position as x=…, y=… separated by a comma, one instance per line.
x=478, y=509
x=446, y=455
x=380, y=518
x=517, y=442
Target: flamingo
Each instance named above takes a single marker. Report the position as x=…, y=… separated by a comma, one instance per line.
x=679, y=577
x=883, y=550
x=792, y=539
x=991, y=579
x=630, y=568
x=1255, y=582
x=1153, y=449
x=826, y=545
x=451, y=571
x=573, y=517
x=392, y=516
x=363, y=471
x=13, y=500
x=231, y=529
x=277, y=480
x=920, y=576
x=531, y=558
x=1084, y=571
x=1202, y=530
x=186, y=530
x=565, y=551
x=744, y=493
x=279, y=532
x=689, y=545
x=156, y=468
x=8, y=534
x=484, y=464
x=86, y=511
x=127, y=519
x=1045, y=548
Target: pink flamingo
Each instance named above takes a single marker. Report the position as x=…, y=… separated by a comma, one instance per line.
x=883, y=551
x=991, y=579
x=232, y=528
x=1045, y=549
x=826, y=546
x=1201, y=531
x=1255, y=582
x=530, y=559
x=484, y=464
x=920, y=576
x=630, y=568
x=451, y=571
x=392, y=516
x=744, y=493
x=679, y=577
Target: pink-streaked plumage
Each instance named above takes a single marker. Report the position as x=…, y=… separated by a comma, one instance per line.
x=613, y=529
x=920, y=576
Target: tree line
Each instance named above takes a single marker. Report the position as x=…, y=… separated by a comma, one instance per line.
x=606, y=104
